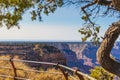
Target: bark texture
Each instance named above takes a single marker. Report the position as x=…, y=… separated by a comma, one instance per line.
x=116, y=4
x=103, y=53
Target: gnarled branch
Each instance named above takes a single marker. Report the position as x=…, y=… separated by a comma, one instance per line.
x=103, y=53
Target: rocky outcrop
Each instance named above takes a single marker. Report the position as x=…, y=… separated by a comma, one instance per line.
x=34, y=52
x=83, y=55
x=75, y=56
x=72, y=54
x=86, y=53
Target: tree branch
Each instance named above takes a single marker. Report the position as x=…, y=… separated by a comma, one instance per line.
x=103, y=53
x=85, y=12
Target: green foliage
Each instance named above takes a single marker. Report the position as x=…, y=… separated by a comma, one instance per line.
x=11, y=11
x=85, y=17
x=88, y=31
x=100, y=74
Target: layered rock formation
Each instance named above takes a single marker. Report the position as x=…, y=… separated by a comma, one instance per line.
x=34, y=52
x=72, y=54
x=83, y=55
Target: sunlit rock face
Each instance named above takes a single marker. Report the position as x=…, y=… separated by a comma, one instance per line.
x=43, y=52
x=83, y=55
x=71, y=59
x=71, y=54
x=86, y=54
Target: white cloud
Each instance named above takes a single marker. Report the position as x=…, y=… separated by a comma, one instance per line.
x=40, y=33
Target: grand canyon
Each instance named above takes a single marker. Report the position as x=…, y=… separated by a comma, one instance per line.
x=71, y=54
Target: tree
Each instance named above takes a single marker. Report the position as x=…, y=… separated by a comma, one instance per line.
x=12, y=10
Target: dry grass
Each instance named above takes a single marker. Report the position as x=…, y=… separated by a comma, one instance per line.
x=29, y=75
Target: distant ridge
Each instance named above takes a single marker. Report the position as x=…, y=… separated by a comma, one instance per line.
x=77, y=54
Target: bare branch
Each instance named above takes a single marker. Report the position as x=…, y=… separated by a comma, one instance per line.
x=86, y=6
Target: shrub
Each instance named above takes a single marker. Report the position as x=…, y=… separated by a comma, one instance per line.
x=100, y=74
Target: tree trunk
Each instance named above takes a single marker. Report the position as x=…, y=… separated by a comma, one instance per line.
x=116, y=4
x=103, y=53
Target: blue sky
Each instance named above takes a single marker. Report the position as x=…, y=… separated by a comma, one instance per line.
x=63, y=25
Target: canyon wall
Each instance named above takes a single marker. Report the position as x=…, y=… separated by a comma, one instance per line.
x=72, y=54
